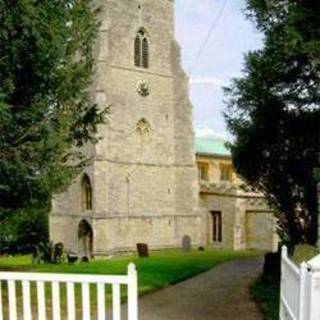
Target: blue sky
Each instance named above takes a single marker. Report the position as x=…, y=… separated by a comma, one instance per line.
x=221, y=58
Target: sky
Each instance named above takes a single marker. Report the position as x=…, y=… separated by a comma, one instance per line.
x=212, y=61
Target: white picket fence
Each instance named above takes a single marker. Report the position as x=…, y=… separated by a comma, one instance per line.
x=300, y=289
x=57, y=281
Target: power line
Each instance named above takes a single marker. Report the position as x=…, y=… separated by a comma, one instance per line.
x=213, y=25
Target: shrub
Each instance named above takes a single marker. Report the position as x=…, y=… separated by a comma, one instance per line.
x=20, y=233
x=272, y=263
x=304, y=252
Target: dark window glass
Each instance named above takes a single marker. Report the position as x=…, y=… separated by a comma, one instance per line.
x=145, y=53
x=141, y=49
x=86, y=194
x=216, y=226
x=137, y=51
x=203, y=171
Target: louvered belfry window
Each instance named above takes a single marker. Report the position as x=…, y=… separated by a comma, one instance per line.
x=145, y=53
x=137, y=51
x=141, y=49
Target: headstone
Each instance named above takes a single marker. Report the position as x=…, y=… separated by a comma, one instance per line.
x=186, y=243
x=143, y=250
x=72, y=258
x=84, y=259
x=58, y=252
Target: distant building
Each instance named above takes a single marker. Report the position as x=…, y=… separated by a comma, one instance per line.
x=236, y=216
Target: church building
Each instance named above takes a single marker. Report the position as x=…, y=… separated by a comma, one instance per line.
x=143, y=184
x=236, y=217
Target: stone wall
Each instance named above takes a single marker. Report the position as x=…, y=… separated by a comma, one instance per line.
x=121, y=234
x=248, y=222
x=260, y=231
x=214, y=164
x=227, y=207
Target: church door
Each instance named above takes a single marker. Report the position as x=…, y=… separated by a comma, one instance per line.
x=85, y=237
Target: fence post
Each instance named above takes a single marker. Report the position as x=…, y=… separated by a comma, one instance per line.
x=314, y=294
x=284, y=254
x=132, y=292
x=303, y=291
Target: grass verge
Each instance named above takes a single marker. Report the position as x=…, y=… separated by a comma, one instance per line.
x=265, y=291
x=162, y=269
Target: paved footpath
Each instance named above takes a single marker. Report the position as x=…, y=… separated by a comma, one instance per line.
x=221, y=293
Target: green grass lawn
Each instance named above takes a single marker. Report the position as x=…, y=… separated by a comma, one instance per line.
x=266, y=291
x=160, y=270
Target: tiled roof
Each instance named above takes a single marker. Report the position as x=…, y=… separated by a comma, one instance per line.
x=212, y=146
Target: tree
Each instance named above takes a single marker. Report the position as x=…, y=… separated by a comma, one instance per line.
x=23, y=231
x=273, y=112
x=46, y=114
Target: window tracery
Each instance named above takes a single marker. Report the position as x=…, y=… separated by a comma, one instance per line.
x=141, y=49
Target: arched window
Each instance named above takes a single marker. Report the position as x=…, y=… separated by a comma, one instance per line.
x=86, y=194
x=143, y=127
x=141, y=49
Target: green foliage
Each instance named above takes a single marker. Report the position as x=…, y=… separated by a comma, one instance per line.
x=266, y=291
x=273, y=112
x=317, y=174
x=272, y=264
x=304, y=253
x=46, y=63
x=20, y=232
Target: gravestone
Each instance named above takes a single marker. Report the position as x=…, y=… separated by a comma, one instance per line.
x=84, y=259
x=143, y=250
x=186, y=243
x=72, y=258
x=58, y=252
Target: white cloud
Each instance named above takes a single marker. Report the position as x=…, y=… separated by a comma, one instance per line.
x=207, y=81
x=221, y=60
x=207, y=132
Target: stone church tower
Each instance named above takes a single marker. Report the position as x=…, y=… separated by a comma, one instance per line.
x=141, y=185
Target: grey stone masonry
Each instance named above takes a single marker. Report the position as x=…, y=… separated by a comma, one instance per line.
x=143, y=173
